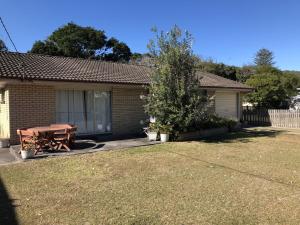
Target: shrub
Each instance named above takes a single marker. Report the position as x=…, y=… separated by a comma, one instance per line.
x=213, y=121
x=175, y=97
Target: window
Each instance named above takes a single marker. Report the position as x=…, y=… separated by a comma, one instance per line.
x=90, y=111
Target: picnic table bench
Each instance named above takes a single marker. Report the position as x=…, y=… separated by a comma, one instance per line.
x=53, y=137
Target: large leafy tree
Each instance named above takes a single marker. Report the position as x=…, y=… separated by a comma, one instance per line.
x=73, y=40
x=269, y=91
x=220, y=69
x=3, y=46
x=273, y=89
x=264, y=57
x=175, y=97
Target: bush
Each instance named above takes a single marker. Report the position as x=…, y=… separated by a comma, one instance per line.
x=213, y=121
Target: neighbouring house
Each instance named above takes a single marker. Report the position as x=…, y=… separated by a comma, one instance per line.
x=99, y=97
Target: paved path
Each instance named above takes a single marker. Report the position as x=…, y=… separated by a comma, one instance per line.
x=5, y=156
x=88, y=146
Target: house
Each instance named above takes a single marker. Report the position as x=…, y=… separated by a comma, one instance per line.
x=99, y=97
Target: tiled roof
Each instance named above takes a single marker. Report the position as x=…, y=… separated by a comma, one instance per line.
x=214, y=81
x=56, y=68
x=42, y=67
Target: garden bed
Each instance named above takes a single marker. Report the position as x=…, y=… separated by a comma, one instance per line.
x=193, y=135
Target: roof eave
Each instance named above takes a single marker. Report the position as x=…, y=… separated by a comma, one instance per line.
x=244, y=89
x=69, y=80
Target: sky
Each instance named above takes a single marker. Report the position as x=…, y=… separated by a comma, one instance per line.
x=228, y=31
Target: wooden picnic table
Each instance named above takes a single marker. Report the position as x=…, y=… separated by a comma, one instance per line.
x=45, y=129
x=54, y=136
x=49, y=137
x=46, y=136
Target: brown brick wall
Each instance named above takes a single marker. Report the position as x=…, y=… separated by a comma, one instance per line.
x=34, y=105
x=29, y=106
x=127, y=111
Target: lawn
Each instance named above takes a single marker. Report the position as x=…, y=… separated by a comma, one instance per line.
x=248, y=177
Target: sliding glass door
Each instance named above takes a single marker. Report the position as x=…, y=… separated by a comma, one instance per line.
x=90, y=111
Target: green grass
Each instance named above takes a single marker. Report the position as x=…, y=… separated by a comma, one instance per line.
x=244, y=178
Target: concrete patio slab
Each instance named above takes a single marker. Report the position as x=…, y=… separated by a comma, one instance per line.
x=89, y=146
x=6, y=157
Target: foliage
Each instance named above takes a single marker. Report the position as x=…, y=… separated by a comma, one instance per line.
x=245, y=72
x=267, y=70
x=46, y=48
x=269, y=91
x=153, y=127
x=3, y=46
x=73, y=40
x=290, y=82
x=220, y=69
x=273, y=88
x=120, y=51
x=214, y=121
x=264, y=57
x=165, y=128
x=30, y=146
x=175, y=96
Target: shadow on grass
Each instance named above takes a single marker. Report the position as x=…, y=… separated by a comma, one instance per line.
x=243, y=136
x=7, y=207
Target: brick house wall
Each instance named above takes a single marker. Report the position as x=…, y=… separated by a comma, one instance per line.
x=34, y=105
x=29, y=106
x=128, y=115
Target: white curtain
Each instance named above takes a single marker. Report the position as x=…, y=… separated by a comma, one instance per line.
x=90, y=111
x=102, y=111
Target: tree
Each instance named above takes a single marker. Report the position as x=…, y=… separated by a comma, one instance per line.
x=46, y=48
x=271, y=90
x=73, y=40
x=220, y=69
x=119, y=51
x=264, y=57
x=3, y=46
x=175, y=97
x=245, y=72
x=290, y=82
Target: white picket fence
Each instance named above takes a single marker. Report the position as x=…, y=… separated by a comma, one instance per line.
x=272, y=117
x=284, y=118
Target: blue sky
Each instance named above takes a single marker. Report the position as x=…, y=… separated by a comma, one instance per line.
x=228, y=31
